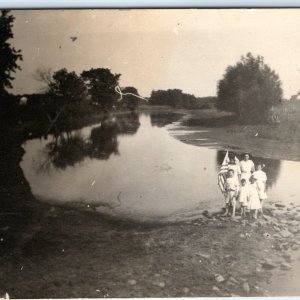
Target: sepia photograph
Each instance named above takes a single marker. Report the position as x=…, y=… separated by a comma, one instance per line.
x=149, y=153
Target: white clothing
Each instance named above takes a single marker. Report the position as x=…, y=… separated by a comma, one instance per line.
x=261, y=178
x=246, y=168
x=254, y=202
x=236, y=168
x=232, y=186
x=244, y=195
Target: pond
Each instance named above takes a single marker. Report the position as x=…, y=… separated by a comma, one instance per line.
x=133, y=166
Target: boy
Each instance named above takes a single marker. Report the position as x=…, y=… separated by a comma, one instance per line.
x=235, y=167
x=231, y=187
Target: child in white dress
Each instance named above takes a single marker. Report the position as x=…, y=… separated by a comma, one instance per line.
x=261, y=178
x=243, y=196
x=254, y=202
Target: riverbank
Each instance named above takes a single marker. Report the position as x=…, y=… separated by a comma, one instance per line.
x=55, y=251
x=278, y=141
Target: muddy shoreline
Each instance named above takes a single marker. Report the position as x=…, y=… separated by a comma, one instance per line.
x=55, y=251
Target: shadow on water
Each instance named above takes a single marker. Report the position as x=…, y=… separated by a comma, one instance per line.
x=69, y=148
x=272, y=166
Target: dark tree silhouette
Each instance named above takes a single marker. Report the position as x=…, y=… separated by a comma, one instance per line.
x=64, y=92
x=176, y=98
x=249, y=89
x=8, y=54
x=101, y=84
x=130, y=101
x=67, y=86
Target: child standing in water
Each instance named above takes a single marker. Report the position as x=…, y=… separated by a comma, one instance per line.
x=243, y=196
x=261, y=178
x=231, y=186
x=254, y=202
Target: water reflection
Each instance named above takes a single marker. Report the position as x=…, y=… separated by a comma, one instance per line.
x=65, y=150
x=272, y=166
x=131, y=167
x=103, y=140
x=68, y=148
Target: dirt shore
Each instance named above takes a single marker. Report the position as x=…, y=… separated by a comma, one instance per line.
x=52, y=251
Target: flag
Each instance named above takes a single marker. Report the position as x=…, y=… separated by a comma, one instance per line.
x=223, y=172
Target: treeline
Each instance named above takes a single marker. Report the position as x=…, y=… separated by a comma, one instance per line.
x=177, y=99
x=68, y=95
x=97, y=85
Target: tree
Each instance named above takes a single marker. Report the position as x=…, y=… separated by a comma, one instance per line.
x=175, y=98
x=44, y=75
x=8, y=54
x=131, y=101
x=101, y=84
x=249, y=89
x=67, y=86
x=63, y=93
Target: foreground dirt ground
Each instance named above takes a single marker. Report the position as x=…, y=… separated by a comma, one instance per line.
x=64, y=252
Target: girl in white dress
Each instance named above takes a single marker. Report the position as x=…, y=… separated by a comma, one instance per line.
x=247, y=167
x=261, y=178
x=243, y=196
x=254, y=202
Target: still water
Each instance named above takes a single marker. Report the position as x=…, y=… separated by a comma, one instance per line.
x=134, y=166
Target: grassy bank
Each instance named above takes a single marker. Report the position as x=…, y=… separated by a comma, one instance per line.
x=280, y=141
x=286, y=131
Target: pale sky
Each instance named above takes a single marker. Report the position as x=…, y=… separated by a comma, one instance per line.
x=157, y=49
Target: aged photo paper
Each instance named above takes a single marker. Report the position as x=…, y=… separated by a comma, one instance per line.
x=149, y=153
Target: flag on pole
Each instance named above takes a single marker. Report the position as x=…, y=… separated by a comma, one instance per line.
x=223, y=172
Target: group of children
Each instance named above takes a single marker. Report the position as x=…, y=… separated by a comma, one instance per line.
x=245, y=185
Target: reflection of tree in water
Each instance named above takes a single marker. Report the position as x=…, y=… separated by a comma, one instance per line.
x=103, y=140
x=67, y=149
x=272, y=166
x=128, y=123
x=161, y=119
